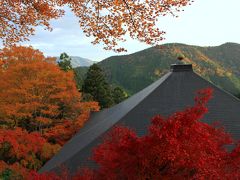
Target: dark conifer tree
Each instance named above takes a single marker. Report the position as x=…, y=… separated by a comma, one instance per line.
x=96, y=85
x=65, y=62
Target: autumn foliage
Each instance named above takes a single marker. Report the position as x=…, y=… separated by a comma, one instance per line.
x=35, y=94
x=177, y=147
x=106, y=21
x=62, y=132
x=23, y=54
x=19, y=17
x=29, y=150
x=40, y=109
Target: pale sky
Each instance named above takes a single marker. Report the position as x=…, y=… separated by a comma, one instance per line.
x=204, y=23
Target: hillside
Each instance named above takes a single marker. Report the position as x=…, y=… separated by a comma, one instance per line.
x=133, y=72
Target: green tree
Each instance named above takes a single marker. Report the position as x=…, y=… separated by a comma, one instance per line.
x=65, y=62
x=96, y=85
x=118, y=95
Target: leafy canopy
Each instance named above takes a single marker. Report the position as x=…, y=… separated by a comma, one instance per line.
x=106, y=21
x=30, y=150
x=35, y=92
x=40, y=109
x=37, y=96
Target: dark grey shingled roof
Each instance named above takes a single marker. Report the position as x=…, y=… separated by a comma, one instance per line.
x=171, y=93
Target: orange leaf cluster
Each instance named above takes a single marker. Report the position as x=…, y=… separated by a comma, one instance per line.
x=18, y=18
x=40, y=109
x=36, y=94
x=106, y=21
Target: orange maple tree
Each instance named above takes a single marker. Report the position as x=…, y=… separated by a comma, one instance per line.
x=35, y=94
x=106, y=21
x=40, y=109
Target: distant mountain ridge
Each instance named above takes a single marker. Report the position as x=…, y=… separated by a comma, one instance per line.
x=218, y=64
x=77, y=61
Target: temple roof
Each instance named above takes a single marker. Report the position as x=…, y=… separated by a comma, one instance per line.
x=173, y=92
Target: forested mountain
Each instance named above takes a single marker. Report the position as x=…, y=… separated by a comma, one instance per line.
x=219, y=64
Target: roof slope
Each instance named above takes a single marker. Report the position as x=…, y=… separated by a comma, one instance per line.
x=173, y=92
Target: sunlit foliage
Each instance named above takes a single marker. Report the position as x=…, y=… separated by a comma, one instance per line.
x=40, y=109
x=106, y=21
